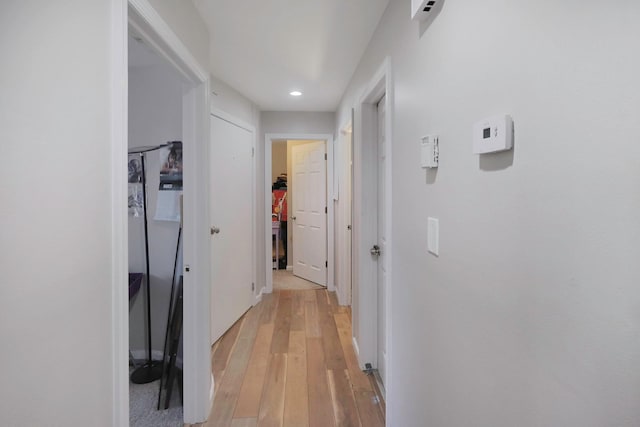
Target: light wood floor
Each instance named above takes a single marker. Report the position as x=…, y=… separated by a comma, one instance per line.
x=290, y=362
x=285, y=280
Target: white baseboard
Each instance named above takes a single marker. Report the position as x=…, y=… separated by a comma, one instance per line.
x=289, y=267
x=258, y=297
x=339, y=293
x=356, y=349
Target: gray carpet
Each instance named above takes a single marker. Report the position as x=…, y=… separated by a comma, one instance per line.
x=143, y=401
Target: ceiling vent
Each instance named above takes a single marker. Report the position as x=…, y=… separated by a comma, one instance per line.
x=423, y=9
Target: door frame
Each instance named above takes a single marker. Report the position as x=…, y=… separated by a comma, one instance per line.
x=198, y=380
x=344, y=292
x=365, y=229
x=223, y=115
x=268, y=144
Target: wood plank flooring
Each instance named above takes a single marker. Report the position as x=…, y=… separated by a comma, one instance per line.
x=285, y=280
x=289, y=362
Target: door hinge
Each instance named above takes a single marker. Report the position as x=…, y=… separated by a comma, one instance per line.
x=325, y=209
x=325, y=156
x=326, y=264
x=253, y=287
x=253, y=151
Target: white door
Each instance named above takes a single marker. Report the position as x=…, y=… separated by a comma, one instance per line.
x=309, y=197
x=382, y=240
x=231, y=219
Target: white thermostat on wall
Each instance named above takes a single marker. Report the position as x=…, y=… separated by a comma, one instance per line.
x=429, y=151
x=493, y=134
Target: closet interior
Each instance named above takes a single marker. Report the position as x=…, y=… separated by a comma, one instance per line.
x=155, y=238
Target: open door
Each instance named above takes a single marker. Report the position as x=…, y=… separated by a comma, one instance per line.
x=309, y=213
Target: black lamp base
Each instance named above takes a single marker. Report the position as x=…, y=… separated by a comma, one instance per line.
x=147, y=373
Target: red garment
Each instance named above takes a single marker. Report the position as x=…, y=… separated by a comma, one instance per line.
x=279, y=206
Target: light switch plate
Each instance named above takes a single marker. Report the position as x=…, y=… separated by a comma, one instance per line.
x=433, y=236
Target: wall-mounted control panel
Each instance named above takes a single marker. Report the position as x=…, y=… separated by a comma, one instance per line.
x=429, y=151
x=493, y=134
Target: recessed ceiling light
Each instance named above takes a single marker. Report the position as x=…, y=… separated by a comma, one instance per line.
x=295, y=93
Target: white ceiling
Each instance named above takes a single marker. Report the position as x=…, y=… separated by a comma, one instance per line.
x=266, y=49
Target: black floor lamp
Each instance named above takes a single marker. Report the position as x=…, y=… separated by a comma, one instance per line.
x=151, y=370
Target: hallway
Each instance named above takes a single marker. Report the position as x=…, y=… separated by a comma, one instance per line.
x=290, y=362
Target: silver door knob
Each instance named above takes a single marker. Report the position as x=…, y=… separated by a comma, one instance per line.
x=375, y=250
x=215, y=230
x=293, y=218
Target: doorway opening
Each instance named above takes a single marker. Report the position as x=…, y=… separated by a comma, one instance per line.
x=140, y=20
x=299, y=220
x=299, y=210
x=372, y=240
x=155, y=235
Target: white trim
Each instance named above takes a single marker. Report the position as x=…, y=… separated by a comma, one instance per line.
x=343, y=285
x=258, y=298
x=161, y=37
x=356, y=350
x=119, y=219
x=223, y=115
x=331, y=217
x=197, y=350
x=268, y=144
x=365, y=230
x=197, y=369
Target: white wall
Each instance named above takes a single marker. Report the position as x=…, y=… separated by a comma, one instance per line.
x=530, y=316
x=297, y=122
x=155, y=117
x=185, y=21
x=55, y=239
x=229, y=100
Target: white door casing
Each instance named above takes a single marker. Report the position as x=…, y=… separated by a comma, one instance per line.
x=232, y=216
x=344, y=223
x=309, y=213
x=382, y=242
x=366, y=181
